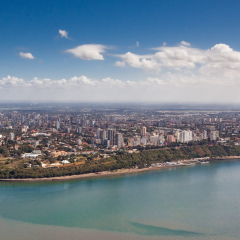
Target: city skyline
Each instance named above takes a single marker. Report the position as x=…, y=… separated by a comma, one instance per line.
x=121, y=51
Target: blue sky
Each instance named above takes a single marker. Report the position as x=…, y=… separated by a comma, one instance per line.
x=114, y=28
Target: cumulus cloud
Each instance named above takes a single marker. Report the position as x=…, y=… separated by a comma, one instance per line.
x=88, y=51
x=178, y=72
x=174, y=58
x=11, y=82
x=154, y=81
x=119, y=64
x=146, y=62
x=167, y=87
x=63, y=33
x=222, y=61
x=185, y=43
x=73, y=82
x=218, y=61
x=26, y=55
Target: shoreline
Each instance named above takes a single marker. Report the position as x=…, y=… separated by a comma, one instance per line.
x=87, y=175
x=108, y=173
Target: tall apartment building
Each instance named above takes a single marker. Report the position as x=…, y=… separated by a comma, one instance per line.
x=103, y=134
x=119, y=140
x=170, y=139
x=11, y=136
x=99, y=133
x=111, y=136
x=143, y=131
x=205, y=135
x=214, y=135
x=58, y=124
x=184, y=136
x=79, y=129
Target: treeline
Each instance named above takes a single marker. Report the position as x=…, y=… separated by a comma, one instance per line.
x=7, y=151
x=141, y=159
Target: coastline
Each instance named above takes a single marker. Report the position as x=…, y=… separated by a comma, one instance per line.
x=87, y=175
x=108, y=173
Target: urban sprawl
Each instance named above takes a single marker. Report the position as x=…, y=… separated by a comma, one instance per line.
x=62, y=137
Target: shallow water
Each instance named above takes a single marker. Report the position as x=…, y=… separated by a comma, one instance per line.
x=200, y=202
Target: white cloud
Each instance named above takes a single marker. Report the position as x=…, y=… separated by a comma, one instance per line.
x=155, y=81
x=119, y=64
x=178, y=73
x=145, y=62
x=178, y=86
x=9, y=82
x=74, y=82
x=137, y=44
x=63, y=33
x=88, y=51
x=81, y=81
x=26, y=55
x=221, y=48
x=220, y=60
x=185, y=44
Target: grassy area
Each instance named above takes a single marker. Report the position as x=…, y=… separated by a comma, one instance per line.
x=11, y=163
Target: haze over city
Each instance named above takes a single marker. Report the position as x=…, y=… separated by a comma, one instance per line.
x=135, y=51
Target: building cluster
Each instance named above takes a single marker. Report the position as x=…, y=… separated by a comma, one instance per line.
x=69, y=131
x=165, y=136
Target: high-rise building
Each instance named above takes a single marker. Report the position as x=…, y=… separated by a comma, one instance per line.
x=23, y=119
x=79, y=130
x=58, y=124
x=143, y=131
x=99, y=133
x=170, y=139
x=161, y=139
x=67, y=129
x=119, y=140
x=11, y=136
x=214, y=135
x=111, y=136
x=144, y=141
x=184, y=136
x=106, y=143
x=80, y=121
x=205, y=136
x=103, y=134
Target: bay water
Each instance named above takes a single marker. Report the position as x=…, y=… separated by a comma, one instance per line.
x=198, y=202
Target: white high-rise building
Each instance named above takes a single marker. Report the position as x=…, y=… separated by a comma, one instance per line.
x=214, y=135
x=154, y=139
x=58, y=124
x=205, y=136
x=184, y=136
x=119, y=140
x=190, y=135
x=11, y=136
x=161, y=139
x=103, y=134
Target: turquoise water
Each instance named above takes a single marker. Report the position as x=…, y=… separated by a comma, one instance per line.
x=200, y=202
